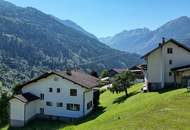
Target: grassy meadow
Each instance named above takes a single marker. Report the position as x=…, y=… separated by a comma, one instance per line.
x=164, y=110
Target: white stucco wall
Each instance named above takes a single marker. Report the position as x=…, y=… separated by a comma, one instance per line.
x=31, y=109
x=43, y=85
x=179, y=57
x=88, y=98
x=16, y=109
x=154, y=66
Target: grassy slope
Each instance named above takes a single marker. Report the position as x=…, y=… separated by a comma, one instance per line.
x=169, y=110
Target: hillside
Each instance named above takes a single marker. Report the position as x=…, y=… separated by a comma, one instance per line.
x=73, y=25
x=32, y=42
x=149, y=111
x=142, y=40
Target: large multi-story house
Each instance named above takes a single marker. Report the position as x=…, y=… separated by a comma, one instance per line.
x=56, y=95
x=168, y=65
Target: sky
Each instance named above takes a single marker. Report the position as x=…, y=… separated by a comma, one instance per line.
x=108, y=17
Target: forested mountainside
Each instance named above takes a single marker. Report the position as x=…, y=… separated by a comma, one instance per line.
x=32, y=42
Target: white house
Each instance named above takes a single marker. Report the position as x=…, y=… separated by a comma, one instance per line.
x=55, y=95
x=168, y=65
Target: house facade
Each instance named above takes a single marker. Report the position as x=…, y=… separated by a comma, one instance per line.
x=53, y=95
x=138, y=71
x=164, y=63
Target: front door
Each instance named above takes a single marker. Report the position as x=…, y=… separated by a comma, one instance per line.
x=41, y=111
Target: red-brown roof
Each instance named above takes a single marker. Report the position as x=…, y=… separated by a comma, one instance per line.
x=81, y=78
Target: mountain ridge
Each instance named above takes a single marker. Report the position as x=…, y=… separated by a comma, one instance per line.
x=32, y=42
x=178, y=29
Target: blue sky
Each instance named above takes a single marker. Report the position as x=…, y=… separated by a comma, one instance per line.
x=108, y=17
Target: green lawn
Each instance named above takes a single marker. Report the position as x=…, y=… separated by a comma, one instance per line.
x=168, y=110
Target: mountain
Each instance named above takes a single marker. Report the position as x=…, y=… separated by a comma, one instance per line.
x=32, y=42
x=73, y=25
x=143, y=40
x=127, y=39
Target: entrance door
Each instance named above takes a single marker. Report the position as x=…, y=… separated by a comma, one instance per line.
x=41, y=111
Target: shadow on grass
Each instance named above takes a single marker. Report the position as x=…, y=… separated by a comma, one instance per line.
x=91, y=116
x=167, y=89
x=44, y=124
x=124, y=97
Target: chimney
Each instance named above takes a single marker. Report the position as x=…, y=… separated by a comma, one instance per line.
x=163, y=40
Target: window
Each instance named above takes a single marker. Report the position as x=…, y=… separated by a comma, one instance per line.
x=59, y=104
x=170, y=62
x=58, y=90
x=73, y=107
x=73, y=92
x=41, y=96
x=170, y=73
x=50, y=90
x=89, y=105
x=170, y=50
x=48, y=103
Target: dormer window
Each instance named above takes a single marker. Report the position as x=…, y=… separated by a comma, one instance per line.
x=170, y=50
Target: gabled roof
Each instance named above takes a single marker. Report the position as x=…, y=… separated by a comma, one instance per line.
x=26, y=97
x=78, y=77
x=171, y=40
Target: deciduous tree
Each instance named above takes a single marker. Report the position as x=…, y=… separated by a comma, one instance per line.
x=122, y=81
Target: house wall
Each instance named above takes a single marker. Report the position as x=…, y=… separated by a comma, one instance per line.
x=179, y=57
x=158, y=66
x=31, y=109
x=54, y=81
x=16, y=113
x=88, y=98
x=154, y=67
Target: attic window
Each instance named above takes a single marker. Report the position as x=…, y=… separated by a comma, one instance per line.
x=73, y=92
x=56, y=79
x=170, y=50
